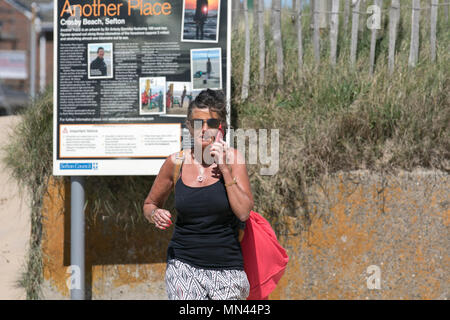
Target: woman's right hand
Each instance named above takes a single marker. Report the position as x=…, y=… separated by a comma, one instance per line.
x=161, y=188
x=161, y=218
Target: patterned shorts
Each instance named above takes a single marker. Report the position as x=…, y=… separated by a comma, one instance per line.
x=185, y=282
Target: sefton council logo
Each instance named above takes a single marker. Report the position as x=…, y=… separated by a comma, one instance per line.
x=78, y=166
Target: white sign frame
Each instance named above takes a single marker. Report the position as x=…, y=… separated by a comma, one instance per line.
x=119, y=166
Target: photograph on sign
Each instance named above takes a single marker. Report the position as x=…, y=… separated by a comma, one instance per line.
x=200, y=21
x=152, y=97
x=178, y=97
x=101, y=62
x=206, y=68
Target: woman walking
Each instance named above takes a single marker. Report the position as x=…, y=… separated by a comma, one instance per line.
x=204, y=258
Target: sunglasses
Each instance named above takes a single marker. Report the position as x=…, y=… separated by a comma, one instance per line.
x=212, y=123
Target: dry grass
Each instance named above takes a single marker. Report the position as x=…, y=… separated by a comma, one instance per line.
x=29, y=156
x=343, y=118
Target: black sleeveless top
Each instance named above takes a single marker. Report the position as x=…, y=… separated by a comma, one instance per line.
x=206, y=229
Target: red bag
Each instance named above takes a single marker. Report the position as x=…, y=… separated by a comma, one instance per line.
x=264, y=258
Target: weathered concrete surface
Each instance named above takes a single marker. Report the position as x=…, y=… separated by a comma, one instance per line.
x=119, y=264
x=398, y=223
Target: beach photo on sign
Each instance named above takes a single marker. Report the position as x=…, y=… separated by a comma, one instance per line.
x=152, y=98
x=206, y=68
x=178, y=97
x=100, y=60
x=200, y=21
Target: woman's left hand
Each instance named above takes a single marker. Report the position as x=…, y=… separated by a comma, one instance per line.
x=219, y=151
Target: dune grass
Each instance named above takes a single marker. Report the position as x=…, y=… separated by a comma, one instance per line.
x=343, y=118
x=29, y=156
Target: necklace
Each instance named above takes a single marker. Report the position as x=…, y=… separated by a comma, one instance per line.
x=201, y=177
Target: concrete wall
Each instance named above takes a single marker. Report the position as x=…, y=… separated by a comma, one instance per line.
x=397, y=223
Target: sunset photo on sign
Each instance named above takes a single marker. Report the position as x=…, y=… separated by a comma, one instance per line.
x=192, y=4
x=200, y=21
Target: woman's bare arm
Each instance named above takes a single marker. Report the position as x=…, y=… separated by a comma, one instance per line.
x=239, y=194
x=162, y=186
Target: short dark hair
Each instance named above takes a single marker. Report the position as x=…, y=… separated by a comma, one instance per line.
x=100, y=48
x=213, y=100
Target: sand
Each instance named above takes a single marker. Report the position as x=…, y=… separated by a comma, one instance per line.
x=14, y=224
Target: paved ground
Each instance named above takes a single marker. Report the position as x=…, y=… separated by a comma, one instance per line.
x=14, y=224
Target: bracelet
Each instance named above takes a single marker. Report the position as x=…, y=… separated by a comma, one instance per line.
x=152, y=214
x=231, y=183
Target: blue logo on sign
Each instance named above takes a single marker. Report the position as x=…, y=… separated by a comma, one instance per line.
x=78, y=166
